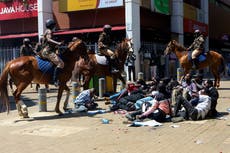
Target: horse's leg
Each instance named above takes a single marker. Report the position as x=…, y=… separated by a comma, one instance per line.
x=86, y=82
x=37, y=86
x=214, y=71
x=21, y=107
x=47, y=87
x=66, y=88
x=60, y=91
x=122, y=80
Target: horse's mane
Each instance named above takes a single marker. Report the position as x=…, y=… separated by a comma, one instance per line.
x=179, y=46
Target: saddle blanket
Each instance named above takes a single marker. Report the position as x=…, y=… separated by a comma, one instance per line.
x=201, y=57
x=44, y=65
x=101, y=60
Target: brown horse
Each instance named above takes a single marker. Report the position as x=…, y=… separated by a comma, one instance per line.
x=90, y=68
x=24, y=70
x=214, y=60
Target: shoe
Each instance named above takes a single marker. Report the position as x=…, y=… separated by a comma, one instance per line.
x=177, y=119
x=129, y=117
x=81, y=109
x=139, y=118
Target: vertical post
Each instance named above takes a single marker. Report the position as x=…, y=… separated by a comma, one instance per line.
x=132, y=22
x=122, y=84
x=44, y=13
x=180, y=73
x=140, y=76
x=75, y=90
x=42, y=100
x=101, y=87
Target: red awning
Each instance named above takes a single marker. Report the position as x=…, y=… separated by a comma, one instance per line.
x=66, y=32
x=88, y=30
x=19, y=35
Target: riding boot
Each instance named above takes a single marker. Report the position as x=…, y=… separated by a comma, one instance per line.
x=55, y=76
x=195, y=63
x=112, y=64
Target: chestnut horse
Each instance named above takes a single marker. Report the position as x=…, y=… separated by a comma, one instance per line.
x=24, y=70
x=213, y=60
x=90, y=68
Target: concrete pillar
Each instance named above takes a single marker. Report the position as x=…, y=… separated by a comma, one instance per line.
x=177, y=22
x=132, y=22
x=205, y=10
x=44, y=13
x=42, y=100
x=101, y=87
x=140, y=76
x=75, y=90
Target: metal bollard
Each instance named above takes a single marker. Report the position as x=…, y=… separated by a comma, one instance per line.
x=75, y=90
x=101, y=87
x=42, y=100
x=180, y=73
x=140, y=76
x=125, y=78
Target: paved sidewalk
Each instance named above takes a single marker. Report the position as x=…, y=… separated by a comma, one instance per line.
x=46, y=132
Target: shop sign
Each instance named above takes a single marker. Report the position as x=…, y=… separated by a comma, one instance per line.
x=191, y=25
x=190, y=11
x=16, y=10
x=78, y=5
x=160, y=6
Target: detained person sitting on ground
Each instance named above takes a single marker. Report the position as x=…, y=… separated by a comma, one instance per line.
x=157, y=110
x=194, y=112
x=214, y=95
x=85, y=101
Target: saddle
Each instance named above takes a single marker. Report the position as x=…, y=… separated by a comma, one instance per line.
x=101, y=59
x=202, y=57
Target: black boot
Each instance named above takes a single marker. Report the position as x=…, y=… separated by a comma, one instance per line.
x=195, y=63
x=55, y=76
x=112, y=66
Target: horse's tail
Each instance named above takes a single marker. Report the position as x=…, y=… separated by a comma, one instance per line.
x=4, y=97
x=222, y=65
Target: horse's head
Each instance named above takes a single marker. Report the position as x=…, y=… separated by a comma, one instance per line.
x=170, y=47
x=124, y=48
x=78, y=48
x=173, y=46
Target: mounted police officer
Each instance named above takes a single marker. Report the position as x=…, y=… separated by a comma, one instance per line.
x=26, y=49
x=104, y=43
x=197, y=47
x=49, y=50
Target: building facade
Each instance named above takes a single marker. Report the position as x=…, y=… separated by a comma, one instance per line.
x=150, y=23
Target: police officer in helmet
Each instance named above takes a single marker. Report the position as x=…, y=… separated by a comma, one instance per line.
x=49, y=51
x=104, y=43
x=26, y=49
x=197, y=47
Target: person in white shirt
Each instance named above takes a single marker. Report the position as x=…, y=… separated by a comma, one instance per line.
x=197, y=112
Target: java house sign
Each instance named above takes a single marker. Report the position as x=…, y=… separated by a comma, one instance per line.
x=17, y=9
